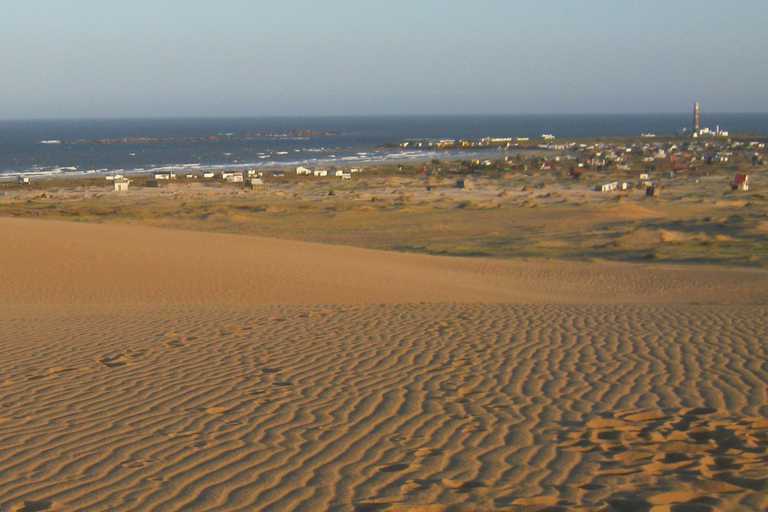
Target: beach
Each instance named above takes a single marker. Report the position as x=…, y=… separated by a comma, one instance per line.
x=148, y=368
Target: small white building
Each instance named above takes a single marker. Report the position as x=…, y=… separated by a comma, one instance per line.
x=121, y=185
x=232, y=176
x=303, y=171
x=607, y=187
x=208, y=175
x=163, y=175
x=320, y=172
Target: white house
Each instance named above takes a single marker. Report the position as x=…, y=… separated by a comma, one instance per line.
x=163, y=175
x=232, y=176
x=607, y=187
x=320, y=172
x=303, y=170
x=121, y=185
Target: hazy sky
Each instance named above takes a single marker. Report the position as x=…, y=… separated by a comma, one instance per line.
x=157, y=58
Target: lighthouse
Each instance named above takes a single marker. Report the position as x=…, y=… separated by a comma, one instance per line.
x=696, y=119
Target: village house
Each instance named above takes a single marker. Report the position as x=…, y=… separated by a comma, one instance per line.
x=320, y=172
x=232, y=176
x=607, y=187
x=303, y=171
x=164, y=175
x=120, y=185
x=740, y=182
x=255, y=183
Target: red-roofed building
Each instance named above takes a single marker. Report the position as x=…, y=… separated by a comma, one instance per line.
x=740, y=182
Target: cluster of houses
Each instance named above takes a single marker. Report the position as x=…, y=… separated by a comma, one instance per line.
x=675, y=155
x=320, y=172
x=683, y=155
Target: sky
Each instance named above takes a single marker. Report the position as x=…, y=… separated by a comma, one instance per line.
x=189, y=58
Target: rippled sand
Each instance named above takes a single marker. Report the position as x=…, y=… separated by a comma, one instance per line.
x=153, y=370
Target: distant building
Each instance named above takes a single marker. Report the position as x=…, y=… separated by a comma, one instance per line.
x=163, y=176
x=607, y=187
x=24, y=180
x=740, y=182
x=303, y=170
x=120, y=185
x=232, y=176
x=255, y=184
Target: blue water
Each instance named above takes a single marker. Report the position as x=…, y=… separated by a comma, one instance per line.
x=358, y=139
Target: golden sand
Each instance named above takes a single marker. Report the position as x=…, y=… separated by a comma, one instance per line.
x=145, y=369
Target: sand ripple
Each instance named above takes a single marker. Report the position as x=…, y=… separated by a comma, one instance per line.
x=384, y=407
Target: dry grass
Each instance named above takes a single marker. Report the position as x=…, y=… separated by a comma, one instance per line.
x=533, y=214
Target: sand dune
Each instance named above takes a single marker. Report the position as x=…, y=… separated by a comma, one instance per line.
x=66, y=262
x=152, y=370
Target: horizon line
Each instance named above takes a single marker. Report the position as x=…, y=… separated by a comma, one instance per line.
x=306, y=116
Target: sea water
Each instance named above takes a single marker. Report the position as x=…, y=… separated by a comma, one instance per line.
x=61, y=147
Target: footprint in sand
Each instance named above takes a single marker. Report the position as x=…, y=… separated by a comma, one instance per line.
x=59, y=369
x=135, y=464
x=114, y=361
x=463, y=487
x=394, y=468
x=427, y=452
x=37, y=506
x=174, y=340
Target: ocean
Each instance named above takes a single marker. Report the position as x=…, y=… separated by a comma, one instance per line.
x=100, y=146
